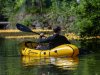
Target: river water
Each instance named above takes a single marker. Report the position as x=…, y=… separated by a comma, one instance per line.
x=87, y=63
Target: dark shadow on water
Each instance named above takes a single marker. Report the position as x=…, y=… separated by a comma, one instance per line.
x=9, y=47
x=89, y=46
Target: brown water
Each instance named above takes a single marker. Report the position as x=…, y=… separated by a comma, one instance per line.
x=87, y=63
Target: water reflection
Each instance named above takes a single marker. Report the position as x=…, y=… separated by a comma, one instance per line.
x=89, y=46
x=10, y=66
x=11, y=63
x=62, y=63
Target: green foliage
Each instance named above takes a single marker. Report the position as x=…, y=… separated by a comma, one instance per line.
x=87, y=21
x=18, y=5
x=81, y=18
x=27, y=20
x=84, y=26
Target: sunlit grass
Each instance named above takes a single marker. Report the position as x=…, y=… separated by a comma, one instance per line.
x=26, y=36
x=8, y=31
x=8, y=34
x=16, y=30
x=72, y=36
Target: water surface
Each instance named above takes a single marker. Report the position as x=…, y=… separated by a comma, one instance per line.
x=87, y=63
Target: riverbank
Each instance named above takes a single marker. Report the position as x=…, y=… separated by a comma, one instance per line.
x=13, y=34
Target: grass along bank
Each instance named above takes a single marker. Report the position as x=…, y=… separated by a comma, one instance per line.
x=18, y=34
